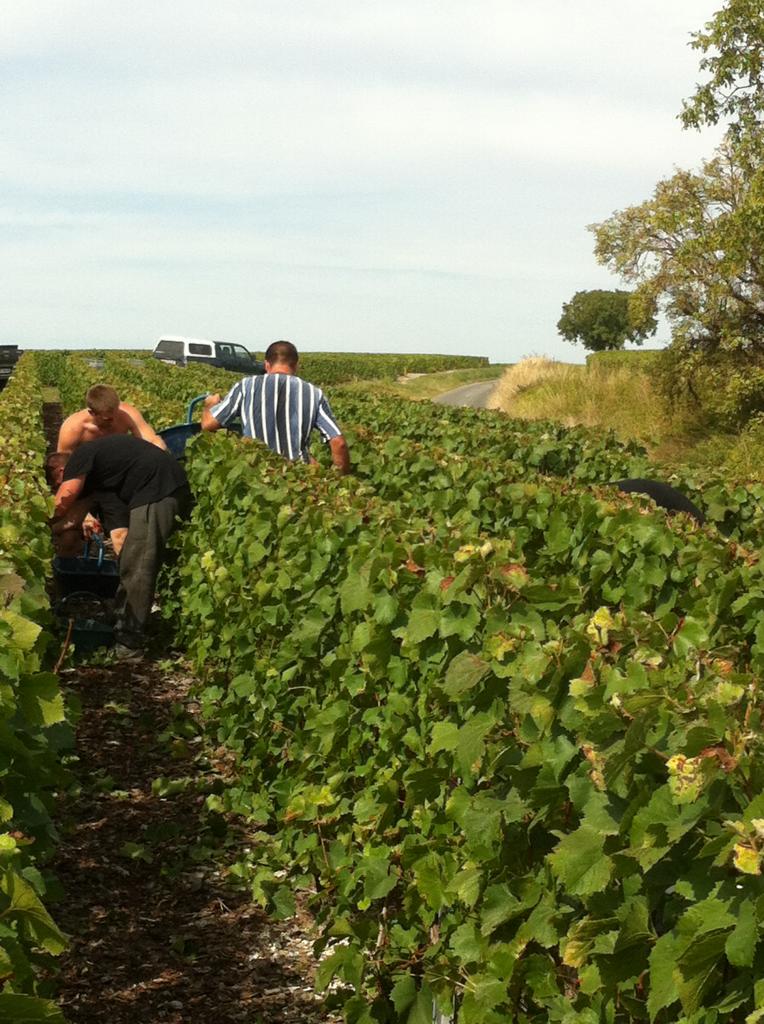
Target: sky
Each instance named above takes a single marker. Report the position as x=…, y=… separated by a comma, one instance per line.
x=397, y=176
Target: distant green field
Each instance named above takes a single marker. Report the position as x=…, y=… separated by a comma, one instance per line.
x=429, y=385
x=342, y=367
x=339, y=367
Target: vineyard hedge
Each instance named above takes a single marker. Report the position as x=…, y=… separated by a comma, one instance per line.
x=518, y=772
x=33, y=730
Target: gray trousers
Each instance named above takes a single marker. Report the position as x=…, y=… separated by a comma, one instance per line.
x=139, y=563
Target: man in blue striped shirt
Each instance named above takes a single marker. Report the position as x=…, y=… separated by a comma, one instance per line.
x=280, y=409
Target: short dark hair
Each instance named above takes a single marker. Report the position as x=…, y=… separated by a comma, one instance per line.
x=101, y=398
x=54, y=461
x=282, y=352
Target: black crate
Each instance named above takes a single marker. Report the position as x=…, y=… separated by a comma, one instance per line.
x=95, y=574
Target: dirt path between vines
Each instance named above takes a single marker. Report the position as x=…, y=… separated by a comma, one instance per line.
x=52, y=418
x=157, y=933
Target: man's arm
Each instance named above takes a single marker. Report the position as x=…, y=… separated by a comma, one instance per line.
x=140, y=427
x=329, y=429
x=208, y=420
x=67, y=494
x=75, y=515
x=70, y=434
x=338, y=446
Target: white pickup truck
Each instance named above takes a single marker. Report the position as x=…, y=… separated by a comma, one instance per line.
x=228, y=356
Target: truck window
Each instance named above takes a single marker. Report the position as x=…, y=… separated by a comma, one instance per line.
x=195, y=349
x=240, y=353
x=170, y=349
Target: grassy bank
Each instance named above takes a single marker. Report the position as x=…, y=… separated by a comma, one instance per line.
x=617, y=391
x=619, y=398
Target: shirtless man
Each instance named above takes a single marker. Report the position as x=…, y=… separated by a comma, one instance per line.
x=103, y=416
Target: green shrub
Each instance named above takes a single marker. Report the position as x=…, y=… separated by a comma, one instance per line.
x=727, y=386
x=641, y=359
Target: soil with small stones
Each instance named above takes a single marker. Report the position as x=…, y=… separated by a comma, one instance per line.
x=157, y=934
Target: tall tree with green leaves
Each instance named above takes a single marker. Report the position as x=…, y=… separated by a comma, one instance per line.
x=732, y=44
x=695, y=249
x=602, y=320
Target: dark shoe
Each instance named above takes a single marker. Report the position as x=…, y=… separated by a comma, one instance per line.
x=124, y=653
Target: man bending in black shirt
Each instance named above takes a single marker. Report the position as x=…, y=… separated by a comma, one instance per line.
x=154, y=487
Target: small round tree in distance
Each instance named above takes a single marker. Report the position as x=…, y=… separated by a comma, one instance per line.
x=602, y=320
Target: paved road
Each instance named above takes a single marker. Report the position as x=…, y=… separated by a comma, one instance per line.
x=473, y=395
